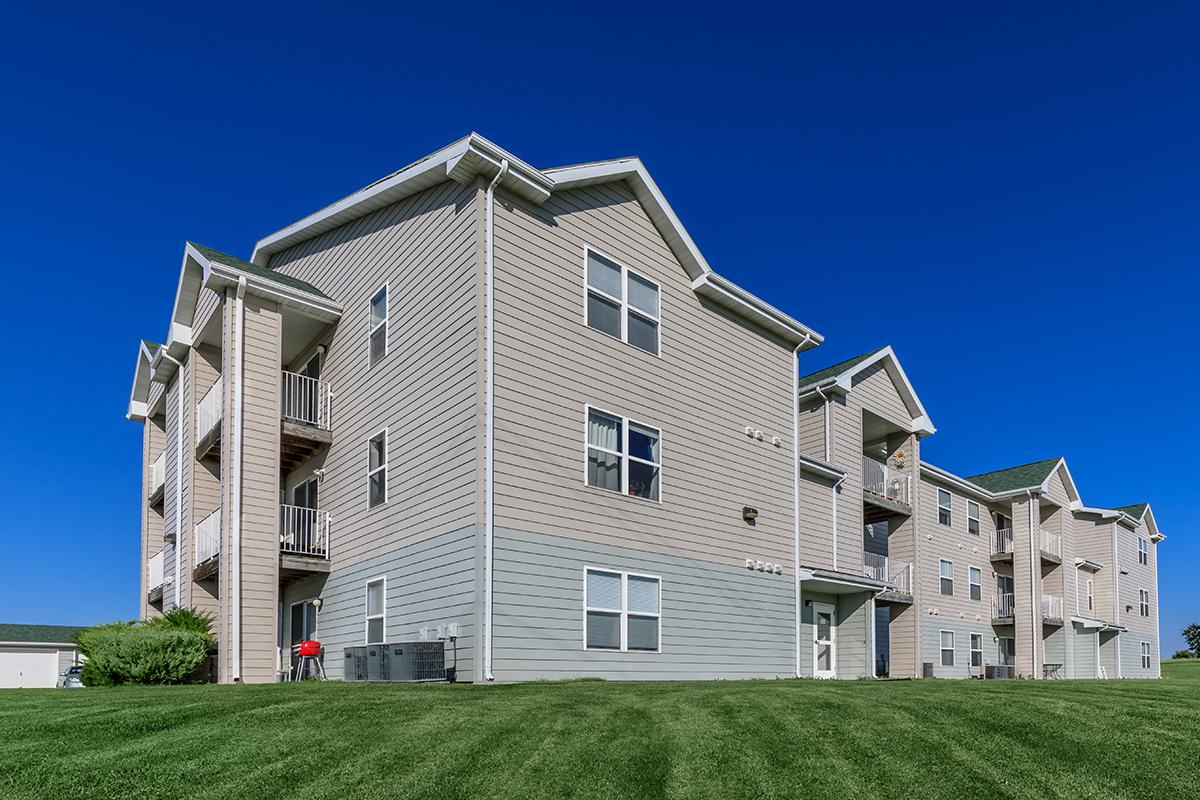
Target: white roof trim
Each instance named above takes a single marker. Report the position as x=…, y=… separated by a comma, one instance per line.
x=1088, y=564
x=844, y=381
x=139, y=393
x=1068, y=482
x=820, y=467
x=961, y=483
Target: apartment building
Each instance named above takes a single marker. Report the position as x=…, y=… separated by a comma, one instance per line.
x=518, y=407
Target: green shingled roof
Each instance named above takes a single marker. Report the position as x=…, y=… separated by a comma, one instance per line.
x=56, y=634
x=257, y=271
x=1136, y=510
x=1025, y=476
x=836, y=369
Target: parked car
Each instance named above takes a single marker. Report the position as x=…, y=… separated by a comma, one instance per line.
x=72, y=678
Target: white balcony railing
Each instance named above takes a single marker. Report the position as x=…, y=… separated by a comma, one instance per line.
x=306, y=400
x=900, y=576
x=304, y=531
x=880, y=479
x=156, y=572
x=1002, y=606
x=158, y=472
x=875, y=566
x=1002, y=542
x=208, y=411
x=1052, y=607
x=882, y=568
x=208, y=537
x=1052, y=543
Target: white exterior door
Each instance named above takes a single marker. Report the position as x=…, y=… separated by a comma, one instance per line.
x=23, y=669
x=824, y=640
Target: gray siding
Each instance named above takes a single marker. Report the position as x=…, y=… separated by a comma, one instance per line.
x=718, y=621
x=1083, y=652
x=931, y=628
x=429, y=583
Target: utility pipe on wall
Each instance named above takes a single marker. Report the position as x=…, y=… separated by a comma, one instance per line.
x=489, y=535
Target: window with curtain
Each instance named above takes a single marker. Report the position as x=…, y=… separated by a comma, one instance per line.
x=621, y=611
x=623, y=455
x=622, y=303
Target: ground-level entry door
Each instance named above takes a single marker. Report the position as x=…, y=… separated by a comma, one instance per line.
x=824, y=640
x=304, y=627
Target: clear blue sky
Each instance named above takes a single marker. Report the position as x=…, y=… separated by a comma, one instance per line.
x=1012, y=193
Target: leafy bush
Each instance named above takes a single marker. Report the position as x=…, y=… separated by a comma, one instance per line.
x=172, y=648
x=1184, y=654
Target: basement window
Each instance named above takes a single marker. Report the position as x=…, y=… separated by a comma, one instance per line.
x=621, y=611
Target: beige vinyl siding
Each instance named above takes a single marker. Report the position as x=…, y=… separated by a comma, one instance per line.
x=812, y=427
x=816, y=520
x=1138, y=576
x=153, y=441
x=155, y=396
x=1094, y=541
x=424, y=390
x=1056, y=490
x=259, y=529
x=876, y=392
x=187, y=538
x=206, y=305
x=955, y=544
x=205, y=475
x=715, y=377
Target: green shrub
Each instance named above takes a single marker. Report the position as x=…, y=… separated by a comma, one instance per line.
x=169, y=649
x=1184, y=654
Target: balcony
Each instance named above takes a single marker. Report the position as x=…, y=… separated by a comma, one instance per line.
x=1003, y=609
x=208, y=422
x=306, y=406
x=157, y=479
x=1002, y=545
x=885, y=488
x=1052, y=609
x=303, y=541
x=1051, y=547
x=208, y=546
x=154, y=581
x=897, y=573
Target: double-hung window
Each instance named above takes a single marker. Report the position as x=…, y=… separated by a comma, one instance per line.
x=1144, y=602
x=622, y=303
x=621, y=611
x=623, y=455
x=975, y=580
x=1145, y=655
x=977, y=650
x=1143, y=551
x=946, y=572
x=947, y=648
x=943, y=507
x=1091, y=594
x=377, y=469
x=973, y=517
x=377, y=332
x=376, y=610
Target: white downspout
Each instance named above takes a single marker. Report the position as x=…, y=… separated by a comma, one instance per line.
x=1035, y=565
x=825, y=410
x=235, y=484
x=796, y=486
x=489, y=534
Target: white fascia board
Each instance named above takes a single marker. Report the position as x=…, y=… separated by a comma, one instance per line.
x=820, y=467
x=139, y=393
x=844, y=382
x=829, y=385
x=746, y=305
x=460, y=161
x=1069, y=482
x=962, y=483
x=220, y=276
x=1088, y=564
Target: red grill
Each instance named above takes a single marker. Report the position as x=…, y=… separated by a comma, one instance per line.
x=308, y=648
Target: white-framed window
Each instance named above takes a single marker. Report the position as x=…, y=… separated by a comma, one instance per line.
x=377, y=328
x=973, y=517
x=377, y=469
x=947, y=648
x=943, y=507
x=375, y=611
x=1145, y=655
x=975, y=582
x=1091, y=594
x=1143, y=551
x=621, y=611
x=946, y=573
x=621, y=302
x=623, y=456
x=1144, y=602
x=977, y=650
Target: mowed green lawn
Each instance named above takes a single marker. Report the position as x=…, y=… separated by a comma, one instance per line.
x=752, y=739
